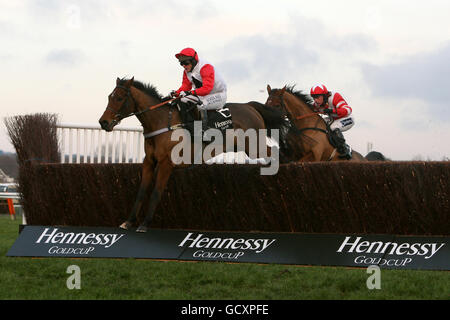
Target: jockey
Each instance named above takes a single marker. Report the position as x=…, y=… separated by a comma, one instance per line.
x=333, y=105
x=202, y=85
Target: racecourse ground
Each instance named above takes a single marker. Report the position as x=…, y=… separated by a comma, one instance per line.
x=39, y=278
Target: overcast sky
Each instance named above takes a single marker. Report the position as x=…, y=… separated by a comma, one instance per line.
x=388, y=59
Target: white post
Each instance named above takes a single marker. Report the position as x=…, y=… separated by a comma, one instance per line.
x=85, y=133
x=63, y=145
x=78, y=146
x=106, y=147
x=135, y=147
x=127, y=148
x=113, y=151
x=121, y=147
x=99, y=147
x=24, y=220
x=140, y=147
x=70, y=145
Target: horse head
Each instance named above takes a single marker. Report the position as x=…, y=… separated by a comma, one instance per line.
x=275, y=99
x=120, y=104
x=292, y=102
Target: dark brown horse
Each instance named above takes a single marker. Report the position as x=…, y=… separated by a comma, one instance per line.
x=307, y=138
x=159, y=120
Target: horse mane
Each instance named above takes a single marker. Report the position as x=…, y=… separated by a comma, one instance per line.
x=297, y=138
x=146, y=88
x=299, y=94
x=273, y=118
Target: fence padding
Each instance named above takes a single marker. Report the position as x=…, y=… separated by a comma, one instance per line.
x=375, y=197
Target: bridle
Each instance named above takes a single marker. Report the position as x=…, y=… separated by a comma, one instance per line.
x=289, y=117
x=299, y=131
x=119, y=117
x=125, y=104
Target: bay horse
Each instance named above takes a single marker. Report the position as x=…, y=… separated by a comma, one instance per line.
x=307, y=137
x=159, y=120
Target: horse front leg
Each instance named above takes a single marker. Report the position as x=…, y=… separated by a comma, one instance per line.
x=147, y=176
x=162, y=175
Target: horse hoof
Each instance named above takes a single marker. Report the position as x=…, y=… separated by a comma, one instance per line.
x=126, y=225
x=142, y=229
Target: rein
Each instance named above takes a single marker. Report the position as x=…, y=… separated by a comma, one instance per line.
x=151, y=108
x=298, y=131
x=137, y=113
x=303, y=117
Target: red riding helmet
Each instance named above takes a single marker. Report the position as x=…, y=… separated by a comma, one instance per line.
x=319, y=89
x=187, y=52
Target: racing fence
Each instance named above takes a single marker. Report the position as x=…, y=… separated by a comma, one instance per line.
x=375, y=197
x=405, y=198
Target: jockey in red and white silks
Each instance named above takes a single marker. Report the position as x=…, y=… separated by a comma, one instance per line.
x=200, y=79
x=334, y=105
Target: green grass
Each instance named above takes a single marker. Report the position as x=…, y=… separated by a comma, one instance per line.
x=45, y=278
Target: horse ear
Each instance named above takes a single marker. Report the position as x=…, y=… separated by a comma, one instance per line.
x=269, y=89
x=117, y=81
x=283, y=90
x=129, y=83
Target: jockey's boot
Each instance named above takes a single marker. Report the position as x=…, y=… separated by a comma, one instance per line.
x=344, y=150
x=204, y=115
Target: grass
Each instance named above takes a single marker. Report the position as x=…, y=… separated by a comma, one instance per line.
x=45, y=278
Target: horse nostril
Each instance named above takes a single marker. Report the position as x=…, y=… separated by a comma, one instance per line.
x=103, y=124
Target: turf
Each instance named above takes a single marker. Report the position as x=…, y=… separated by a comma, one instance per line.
x=125, y=279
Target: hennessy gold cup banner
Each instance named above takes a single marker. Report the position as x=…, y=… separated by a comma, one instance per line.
x=386, y=251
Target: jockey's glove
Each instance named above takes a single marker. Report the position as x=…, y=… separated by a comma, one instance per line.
x=185, y=93
x=173, y=94
x=329, y=111
x=187, y=96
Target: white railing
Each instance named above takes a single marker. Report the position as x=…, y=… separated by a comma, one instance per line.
x=10, y=195
x=91, y=144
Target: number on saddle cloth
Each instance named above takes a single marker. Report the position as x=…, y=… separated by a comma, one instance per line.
x=217, y=119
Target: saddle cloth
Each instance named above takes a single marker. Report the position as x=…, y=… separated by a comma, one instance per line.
x=220, y=119
x=217, y=119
